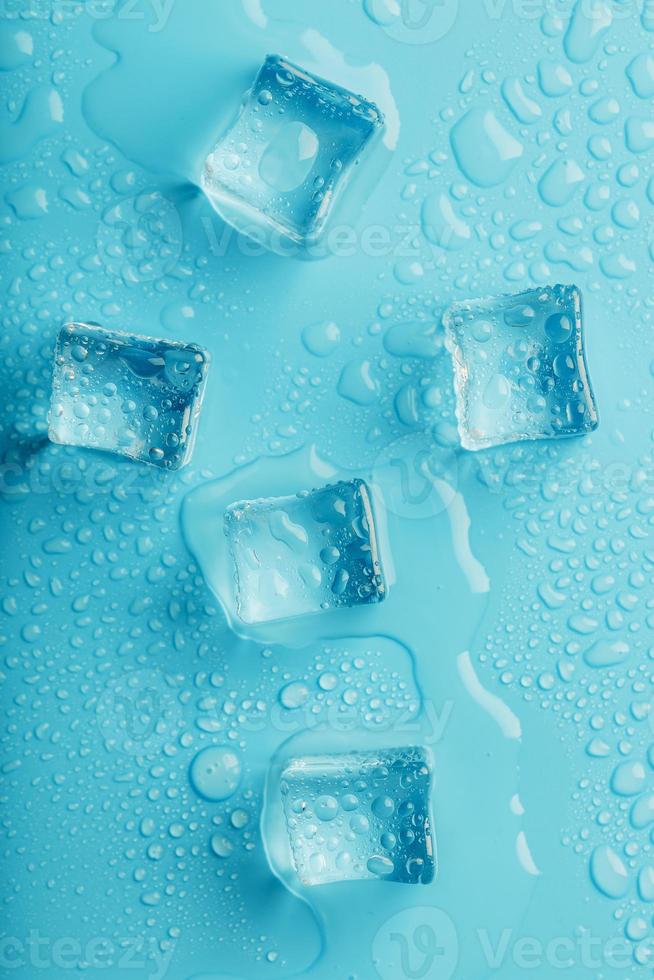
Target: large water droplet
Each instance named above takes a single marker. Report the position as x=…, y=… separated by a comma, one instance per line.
x=441, y=225
x=589, y=23
x=560, y=182
x=485, y=151
x=628, y=778
x=608, y=872
x=215, y=772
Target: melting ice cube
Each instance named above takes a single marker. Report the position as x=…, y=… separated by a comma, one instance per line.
x=126, y=394
x=361, y=815
x=520, y=368
x=305, y=553
x=277, y=172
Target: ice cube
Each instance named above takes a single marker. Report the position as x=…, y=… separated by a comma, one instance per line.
x=519, y=367
x=361, y=815
x=130, y=395
x=276, y=174
x=314, y=551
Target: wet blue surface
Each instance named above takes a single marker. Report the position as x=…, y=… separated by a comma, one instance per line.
x=515, y=642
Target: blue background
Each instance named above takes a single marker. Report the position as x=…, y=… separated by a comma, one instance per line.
x=117, y=665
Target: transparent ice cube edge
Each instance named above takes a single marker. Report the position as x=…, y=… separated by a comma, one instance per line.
x=93, y=329
x=459, y=360
x=265, y=229
x=378, y=554
x=384, y=764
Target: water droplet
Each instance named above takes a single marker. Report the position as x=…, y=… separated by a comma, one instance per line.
x=642, y=812
x=221, y=846
x=378, y=864
x=606, y=653
x=294, y=695
x=321, y=339
x=608, y=872
x=357, y=383
x=485, y=151
x=628, y=778
x=441, y=225
x=588, y=25
x=215, y=772
x=560, y=182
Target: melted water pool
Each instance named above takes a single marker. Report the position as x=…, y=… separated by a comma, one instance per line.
x=143, y=738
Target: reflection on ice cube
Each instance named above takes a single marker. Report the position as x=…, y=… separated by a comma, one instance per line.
x=131, y=395
x=520, y=367
x=289, y=157
x=306, y=553
x=276, y=174
x=361, y=815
